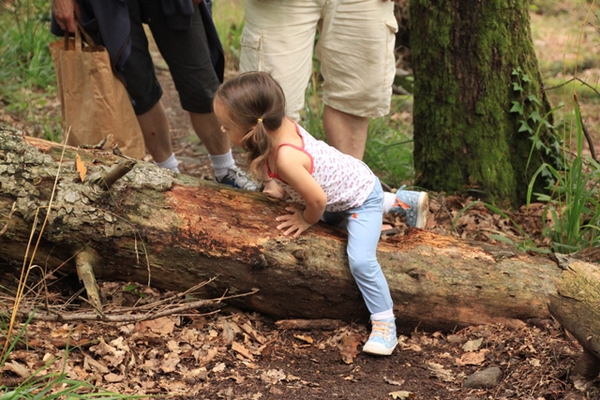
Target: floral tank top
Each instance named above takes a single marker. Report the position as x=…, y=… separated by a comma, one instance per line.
x=346, y=181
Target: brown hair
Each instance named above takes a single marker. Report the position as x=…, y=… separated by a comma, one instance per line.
x=256, y=103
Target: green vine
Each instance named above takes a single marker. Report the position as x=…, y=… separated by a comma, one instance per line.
x=532, y=123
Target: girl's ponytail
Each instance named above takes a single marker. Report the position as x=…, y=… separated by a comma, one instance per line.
x=257, y=144
x=256, y=103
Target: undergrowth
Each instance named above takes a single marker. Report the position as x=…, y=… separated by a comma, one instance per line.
x=26, y=70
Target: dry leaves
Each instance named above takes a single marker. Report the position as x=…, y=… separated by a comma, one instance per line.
x=81, y=168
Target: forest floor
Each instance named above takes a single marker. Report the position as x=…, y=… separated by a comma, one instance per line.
x=233, y=354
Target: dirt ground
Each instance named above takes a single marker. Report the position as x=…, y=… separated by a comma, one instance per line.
x=233, y=354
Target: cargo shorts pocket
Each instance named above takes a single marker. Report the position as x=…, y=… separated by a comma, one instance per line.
x=251, y=53
x=390, y=61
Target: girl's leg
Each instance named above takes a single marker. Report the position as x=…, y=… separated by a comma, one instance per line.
x=364, y=224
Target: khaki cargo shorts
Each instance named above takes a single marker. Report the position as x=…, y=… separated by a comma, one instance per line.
x=355, y=48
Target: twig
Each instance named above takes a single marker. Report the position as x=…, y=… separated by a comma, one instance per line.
x=12, y=210
x=116, y=173
x=169, y=299
x=585, y=131
x=88, y=316
x=84, y=263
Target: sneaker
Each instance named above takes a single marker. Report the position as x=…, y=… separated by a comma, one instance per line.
x=383, y=339
x=238, y=179
x=413, y=206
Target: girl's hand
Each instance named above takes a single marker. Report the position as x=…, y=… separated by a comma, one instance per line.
x=274, y=190
x=294, y=222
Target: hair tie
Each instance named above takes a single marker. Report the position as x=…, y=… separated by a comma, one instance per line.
x=259, y=120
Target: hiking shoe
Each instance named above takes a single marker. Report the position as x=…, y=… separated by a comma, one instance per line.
x=238, y=179
x=413, y=206
x=383, y=339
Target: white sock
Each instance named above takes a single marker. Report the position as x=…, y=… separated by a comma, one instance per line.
x=389, y=199
x=222, y=163
x=170, y=163
x=382, y=315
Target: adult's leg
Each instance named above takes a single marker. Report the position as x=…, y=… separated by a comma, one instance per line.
x=155, y=129
x=186, y=52
x=208, y=130
x=356, y=50
x=145, y=91
x=346, y=132
x=278, y=38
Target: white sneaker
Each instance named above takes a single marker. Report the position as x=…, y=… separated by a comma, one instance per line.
x=383, y=339
x=238, y=179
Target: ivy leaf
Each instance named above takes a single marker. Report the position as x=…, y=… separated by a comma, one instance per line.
x=533, y=98
x=535, y=116
x=526, y=78
x=517, y=87
x=525, y=127
x=516, y=108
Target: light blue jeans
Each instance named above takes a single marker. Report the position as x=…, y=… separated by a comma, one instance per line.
x=364, y=229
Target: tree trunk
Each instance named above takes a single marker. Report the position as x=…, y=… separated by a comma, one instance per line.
x=175, y=231
x=479, y=99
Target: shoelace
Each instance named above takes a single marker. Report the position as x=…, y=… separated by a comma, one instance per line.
x=238, y=176
x=381, y=329
x=399, y=203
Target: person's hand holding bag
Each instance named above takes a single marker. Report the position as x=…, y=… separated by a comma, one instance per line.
x=66, y=12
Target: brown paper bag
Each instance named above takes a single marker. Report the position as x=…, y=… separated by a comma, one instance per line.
x=94, y=102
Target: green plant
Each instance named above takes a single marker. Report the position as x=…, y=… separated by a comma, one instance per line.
x=229, y=21
x=26, y=69
x=531, y=123
x=131, y=288
x=24, y=52
x=312, y=116
x=389, y=150
x=573, y=207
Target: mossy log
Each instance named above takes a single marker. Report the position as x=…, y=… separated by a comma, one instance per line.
x=576, y=305
x=174, y=231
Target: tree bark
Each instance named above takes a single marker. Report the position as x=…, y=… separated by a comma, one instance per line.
x=481, y=117
x=173, y=231
x=576, y=307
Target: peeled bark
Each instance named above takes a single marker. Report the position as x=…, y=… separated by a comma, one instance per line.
x=173, y=231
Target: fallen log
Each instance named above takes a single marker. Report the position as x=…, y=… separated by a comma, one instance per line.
x=172, y=231
x=576, y=305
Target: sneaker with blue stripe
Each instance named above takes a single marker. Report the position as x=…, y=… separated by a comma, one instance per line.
x=413, y=206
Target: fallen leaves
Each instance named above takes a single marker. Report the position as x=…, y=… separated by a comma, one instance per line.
x=81, y=168
x=245, y=356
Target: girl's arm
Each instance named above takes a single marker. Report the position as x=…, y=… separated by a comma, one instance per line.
x=270, y=186
x=293, y=166
x=274, y=190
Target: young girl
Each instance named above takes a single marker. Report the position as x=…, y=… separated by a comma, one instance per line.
x=328, y=185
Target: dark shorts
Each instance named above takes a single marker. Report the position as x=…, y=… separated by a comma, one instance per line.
x=185, y=52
